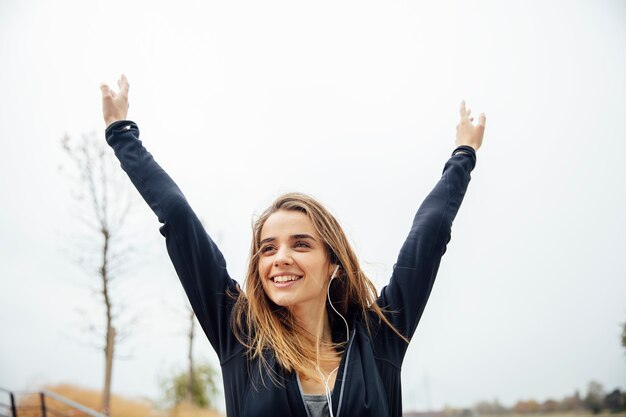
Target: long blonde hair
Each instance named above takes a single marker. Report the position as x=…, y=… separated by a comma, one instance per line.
x=263, y=326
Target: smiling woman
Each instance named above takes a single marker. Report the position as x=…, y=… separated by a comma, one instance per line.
x=299, y=250
x=309, y=336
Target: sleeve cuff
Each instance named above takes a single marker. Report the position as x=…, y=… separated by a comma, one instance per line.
x=119, y=126
x=467, y=149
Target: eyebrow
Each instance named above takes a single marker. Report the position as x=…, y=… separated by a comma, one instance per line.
x=292, y=237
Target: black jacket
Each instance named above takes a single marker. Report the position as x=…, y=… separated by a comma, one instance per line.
x=368, y=380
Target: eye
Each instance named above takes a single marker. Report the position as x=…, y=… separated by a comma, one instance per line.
x=302, y=244
x=267, y=248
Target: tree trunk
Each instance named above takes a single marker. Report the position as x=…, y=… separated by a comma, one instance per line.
x=110, y=334
x=108, y=351
x=190, y=380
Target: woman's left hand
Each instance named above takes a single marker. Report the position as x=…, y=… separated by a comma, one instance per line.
x=466, y=132
x=115, y=105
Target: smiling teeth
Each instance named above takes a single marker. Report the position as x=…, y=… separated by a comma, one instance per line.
x=285, y=278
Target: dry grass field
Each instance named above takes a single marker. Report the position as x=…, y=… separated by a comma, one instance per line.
x=120, y=406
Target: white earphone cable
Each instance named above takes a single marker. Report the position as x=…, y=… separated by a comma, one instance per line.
x=325, y=380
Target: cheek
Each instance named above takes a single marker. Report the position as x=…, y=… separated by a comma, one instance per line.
x=263, y=268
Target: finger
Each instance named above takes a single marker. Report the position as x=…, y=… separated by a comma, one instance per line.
x=123, y=84
x=105, y=89
x=465, y=112
x=113, y=94
x=482, y=119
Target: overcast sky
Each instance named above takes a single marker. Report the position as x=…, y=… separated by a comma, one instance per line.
x=356, y=103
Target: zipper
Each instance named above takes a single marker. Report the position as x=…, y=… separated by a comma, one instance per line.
x=345, y=372
x=343, y=378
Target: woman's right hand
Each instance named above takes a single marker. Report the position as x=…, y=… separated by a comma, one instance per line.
x=115, y=105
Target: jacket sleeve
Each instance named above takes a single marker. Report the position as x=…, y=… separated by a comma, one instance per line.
x=196, y=258
x=418, y=262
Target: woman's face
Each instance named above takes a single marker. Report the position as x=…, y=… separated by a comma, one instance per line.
x=293, y=264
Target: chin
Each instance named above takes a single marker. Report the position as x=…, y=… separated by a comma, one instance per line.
x=283, y=301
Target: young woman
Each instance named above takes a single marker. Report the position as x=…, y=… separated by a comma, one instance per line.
x=309, y=336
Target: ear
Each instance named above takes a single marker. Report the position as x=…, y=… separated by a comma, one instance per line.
x=331, y=269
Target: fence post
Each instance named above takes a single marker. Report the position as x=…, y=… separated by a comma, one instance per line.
x=42, y=397
x=13, y=407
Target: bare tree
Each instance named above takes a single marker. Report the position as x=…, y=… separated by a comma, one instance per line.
x=103, y=207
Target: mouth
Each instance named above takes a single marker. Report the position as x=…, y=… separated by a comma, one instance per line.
x=281, y=281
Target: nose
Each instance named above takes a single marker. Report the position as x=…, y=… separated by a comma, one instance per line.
x=282, y=257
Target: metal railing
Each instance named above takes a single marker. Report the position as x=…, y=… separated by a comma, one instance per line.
x=12, y=409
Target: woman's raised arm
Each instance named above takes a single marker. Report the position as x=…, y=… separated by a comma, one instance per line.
x=418, y=262
x=196, y=258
